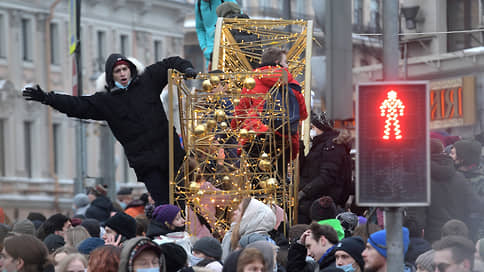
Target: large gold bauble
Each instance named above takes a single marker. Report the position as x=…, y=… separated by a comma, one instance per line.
x=215, y=80
x=226, y=179
x=265, y=165
x=236, y=101
x=264, y=155
x=206, y=85
x=223, y=125
x=211, y=124
x=249, y=83
x=200, y=130
x=243, y=133
x=270, y=183
x=219, y=115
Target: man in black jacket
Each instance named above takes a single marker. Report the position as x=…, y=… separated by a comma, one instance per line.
x=130, y=103
x=326, y=170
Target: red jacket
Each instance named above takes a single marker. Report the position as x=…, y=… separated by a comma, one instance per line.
x=250, y=106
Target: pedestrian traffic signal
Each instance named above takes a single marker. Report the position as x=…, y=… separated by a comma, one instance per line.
x=392, y=142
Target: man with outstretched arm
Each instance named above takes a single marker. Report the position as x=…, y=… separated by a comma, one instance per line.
x=128, y=99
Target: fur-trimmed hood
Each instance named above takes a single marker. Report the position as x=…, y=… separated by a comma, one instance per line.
x=105, y=81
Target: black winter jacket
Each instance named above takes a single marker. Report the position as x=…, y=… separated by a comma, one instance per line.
x=451, y=197
x=100, y=209
x=136, y=115
x=323, y=171
x=155, y=229
x=296, y=260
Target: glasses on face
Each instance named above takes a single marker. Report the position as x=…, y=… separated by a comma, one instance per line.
x=441, y=267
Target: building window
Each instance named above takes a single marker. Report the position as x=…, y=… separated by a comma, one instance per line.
x=3, y=36
x=2, y=147
x=101, y=46
x=56, y=142
x=158, y=48
x=358, y=12
x=28, y=148
x=124, y=45
x=27, y=39
x=375, y=15
x=54, y=44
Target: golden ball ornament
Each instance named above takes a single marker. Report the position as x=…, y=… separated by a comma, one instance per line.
x=236, y=101
x=206, y=85
x=226, y=179
x=243, y=133
x=264, y=156
x=219, y=115
x=223, y=125
x=265, y=165
x=211, y=124
x=249, y=83
x=215, y=80
x=200, y=130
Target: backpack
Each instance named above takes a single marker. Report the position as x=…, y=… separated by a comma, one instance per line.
x=279, y=97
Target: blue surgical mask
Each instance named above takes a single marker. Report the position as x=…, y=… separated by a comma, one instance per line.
x=153, y=269
x=123, y=205
x=346, y=268
x=119, y=85
x=194, y=260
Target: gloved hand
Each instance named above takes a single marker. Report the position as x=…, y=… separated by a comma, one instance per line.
x=35, y=94
x=190, y=73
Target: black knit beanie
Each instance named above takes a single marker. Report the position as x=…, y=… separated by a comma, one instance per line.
x=123, y=224
x=323, y=208
x=175, y=256
x=354, y=246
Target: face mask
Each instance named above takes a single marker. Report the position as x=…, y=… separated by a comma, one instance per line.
x=153, y=269
x=117, y=84
x=347, y=268
x=194, y=260
x=312, y=133
x=123, y=205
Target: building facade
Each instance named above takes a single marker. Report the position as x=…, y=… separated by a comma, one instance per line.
x=31, y=179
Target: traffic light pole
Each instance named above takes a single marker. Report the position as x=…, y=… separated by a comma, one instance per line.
x=393, y=215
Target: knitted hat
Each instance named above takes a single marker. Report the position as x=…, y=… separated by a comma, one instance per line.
x=354, y=246
x=469, y=151
x=88, y=245
x=92, y=226
x=81, y=200
x=53, y=242
x=425, y=260
x=323, y=208
x=24, y=227
x=209, y=246
x=378, y=240
x=322, y=121
x=32, y=216
x=123, y=224
x=227, y=8
x=165, y=213
x=98, y=190
x=175, y=256
x=76, y=221
x=348, y=220
x=336, y=225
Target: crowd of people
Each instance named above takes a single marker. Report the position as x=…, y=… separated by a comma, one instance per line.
x=332, y=234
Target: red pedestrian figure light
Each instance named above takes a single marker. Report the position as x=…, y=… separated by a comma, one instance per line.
x=391, y=108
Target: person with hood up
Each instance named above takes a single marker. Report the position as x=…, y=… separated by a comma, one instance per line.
x=165, y=219
x=141, y=253
x=252, y=216
x=327, y=169
x=128, y=98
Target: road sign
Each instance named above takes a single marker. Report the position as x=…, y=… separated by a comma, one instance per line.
x=392, y=142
